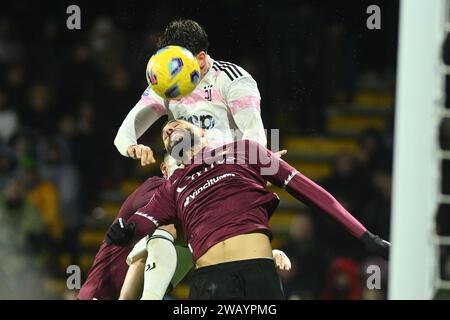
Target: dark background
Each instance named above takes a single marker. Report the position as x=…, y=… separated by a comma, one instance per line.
x=326, y=81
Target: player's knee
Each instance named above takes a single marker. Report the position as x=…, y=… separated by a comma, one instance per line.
x=170, y=228
x=160, y=247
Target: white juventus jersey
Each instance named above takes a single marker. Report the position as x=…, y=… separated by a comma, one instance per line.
x=226, y=103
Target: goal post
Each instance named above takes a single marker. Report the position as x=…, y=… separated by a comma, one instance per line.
x=416, y=181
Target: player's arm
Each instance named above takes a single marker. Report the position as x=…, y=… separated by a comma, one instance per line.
x=148, y=109
x=243, y=99
x=281, y=174
x=160, y=210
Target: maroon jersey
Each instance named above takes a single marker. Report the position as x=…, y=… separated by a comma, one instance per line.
x=107, y=274
x=223, y=193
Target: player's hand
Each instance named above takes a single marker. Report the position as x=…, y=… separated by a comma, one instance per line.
x=120, y=233
x=282, y=261
x=375, y=244
x=144, y=153
x=280, y=153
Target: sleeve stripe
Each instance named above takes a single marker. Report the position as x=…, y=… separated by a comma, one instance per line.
x=231, y=65
x=142, y=214
x=244, y=103
x=154, y=104
x=230, y=70
x=289, y=178
x=227, y=73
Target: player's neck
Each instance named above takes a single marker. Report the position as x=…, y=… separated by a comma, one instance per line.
x=206, y=67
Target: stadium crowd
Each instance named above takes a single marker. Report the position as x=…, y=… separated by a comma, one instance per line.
x=63, y=95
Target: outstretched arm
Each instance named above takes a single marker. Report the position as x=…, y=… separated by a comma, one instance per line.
x=304, y=189
x=148, y=109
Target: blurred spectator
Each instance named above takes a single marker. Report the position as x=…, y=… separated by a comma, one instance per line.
x=349, y=183
x=351, y=186
x=11, y=48
x=374, y=153
x=86, y=117
x=107, y=44
x=18, y=213
x=84, y=77
x=16, y=85
x=22, y=233
x=376, y=215
x=25, y=145
x=44, y=196
x=342, y=281
x=40, y=114
x=304, y=281
x=58, y=169
x=88, y=145
x=7, y=165
x=9, y=121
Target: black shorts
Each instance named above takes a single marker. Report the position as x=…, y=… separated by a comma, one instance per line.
x=247, y=279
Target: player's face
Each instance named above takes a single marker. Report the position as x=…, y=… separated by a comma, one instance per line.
x=180, y=132
x=174, y=132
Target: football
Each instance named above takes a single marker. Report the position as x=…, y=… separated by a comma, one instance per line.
x=173, y=72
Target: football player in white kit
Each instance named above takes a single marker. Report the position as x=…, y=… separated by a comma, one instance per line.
x=226, y=103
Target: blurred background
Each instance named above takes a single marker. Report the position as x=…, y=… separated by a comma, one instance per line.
x=326, y=81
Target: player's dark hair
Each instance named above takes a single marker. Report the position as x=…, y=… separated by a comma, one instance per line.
x=185, y=33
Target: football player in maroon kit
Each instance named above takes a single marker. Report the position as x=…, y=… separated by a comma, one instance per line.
x=220, y=198
x=109, y=277
x=107, y=274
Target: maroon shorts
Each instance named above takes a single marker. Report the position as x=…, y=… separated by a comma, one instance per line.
x=106, y=277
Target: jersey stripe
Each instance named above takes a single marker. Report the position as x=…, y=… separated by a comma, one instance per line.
x=221, y=68
x=232, y=65
x=230, y=69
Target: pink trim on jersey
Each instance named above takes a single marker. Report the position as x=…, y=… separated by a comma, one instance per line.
x=154, y=104
x=200, y=95
x=244, y=103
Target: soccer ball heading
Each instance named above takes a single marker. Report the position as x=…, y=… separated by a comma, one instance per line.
x=173, y=72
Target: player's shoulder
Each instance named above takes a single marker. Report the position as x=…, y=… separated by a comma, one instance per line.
x=228, y=71
x=155, y=181
x=151, y=184
x=176, y=176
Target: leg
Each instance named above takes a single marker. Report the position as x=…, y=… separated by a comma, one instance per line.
x=160, y=264
x=134, y=280
x=154, y=256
